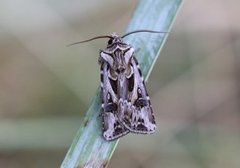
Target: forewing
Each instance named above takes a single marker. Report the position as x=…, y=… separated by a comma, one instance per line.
x=138, y=116
x=112, y=127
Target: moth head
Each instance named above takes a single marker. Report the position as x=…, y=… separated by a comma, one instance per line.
x=114, y=39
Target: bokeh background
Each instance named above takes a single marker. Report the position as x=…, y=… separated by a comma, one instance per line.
x=46, y=87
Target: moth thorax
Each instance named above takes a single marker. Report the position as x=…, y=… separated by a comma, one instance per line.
x=120, y=64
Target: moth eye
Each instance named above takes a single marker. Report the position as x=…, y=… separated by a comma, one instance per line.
x=110, y=41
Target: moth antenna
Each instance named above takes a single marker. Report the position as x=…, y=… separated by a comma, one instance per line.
x=138, y=31
x=84, y=41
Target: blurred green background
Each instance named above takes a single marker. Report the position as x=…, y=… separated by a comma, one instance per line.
x=46, y=87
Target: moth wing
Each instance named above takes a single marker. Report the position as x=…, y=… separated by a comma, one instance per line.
x=112, y=127
x=138, y=116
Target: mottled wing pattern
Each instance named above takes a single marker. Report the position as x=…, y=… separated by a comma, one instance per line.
x=112, y=126
x=138, y=116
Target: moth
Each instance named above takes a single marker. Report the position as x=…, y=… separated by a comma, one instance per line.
x=126, y=106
